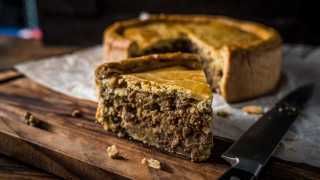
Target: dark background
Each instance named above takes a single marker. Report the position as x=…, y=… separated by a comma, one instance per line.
x=81, y=22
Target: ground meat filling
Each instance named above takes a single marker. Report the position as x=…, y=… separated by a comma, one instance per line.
x=170, y=121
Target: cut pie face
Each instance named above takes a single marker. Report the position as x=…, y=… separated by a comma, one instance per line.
x=163, y=101
x=241, y=59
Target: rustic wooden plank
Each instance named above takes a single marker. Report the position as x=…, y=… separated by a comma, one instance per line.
x=50, y=161
x=11, y=169
x=9, y=75
x=81, y=140
x=14, y=175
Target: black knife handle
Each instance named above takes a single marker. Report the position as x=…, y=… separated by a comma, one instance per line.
x=237, y=174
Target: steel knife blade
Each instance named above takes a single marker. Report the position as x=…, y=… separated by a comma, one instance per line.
x=249, y=154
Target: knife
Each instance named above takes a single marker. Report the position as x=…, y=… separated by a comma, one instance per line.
x=250, y=153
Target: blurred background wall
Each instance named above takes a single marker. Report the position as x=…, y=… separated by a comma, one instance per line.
x=81, y=22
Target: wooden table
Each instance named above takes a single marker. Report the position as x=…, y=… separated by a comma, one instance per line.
x=13, y=51
x=74, y=146
x=12, y=169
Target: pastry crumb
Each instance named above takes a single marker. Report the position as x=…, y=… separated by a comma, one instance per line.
x=223, y=114
x=76, y=113
x=31, y=120
x=143, y=161
x=252, y=109
x=113, y=152
x=153, y=163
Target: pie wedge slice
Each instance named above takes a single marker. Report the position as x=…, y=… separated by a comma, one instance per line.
x=161, y=100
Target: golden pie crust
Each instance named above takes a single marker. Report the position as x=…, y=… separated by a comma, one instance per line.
x=241, y=59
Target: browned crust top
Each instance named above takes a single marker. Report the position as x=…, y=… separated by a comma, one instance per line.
x=146, y=63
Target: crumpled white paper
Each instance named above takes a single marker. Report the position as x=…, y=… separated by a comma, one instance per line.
x=73, y=75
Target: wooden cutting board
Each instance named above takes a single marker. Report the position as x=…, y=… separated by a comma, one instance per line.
x=75, y=147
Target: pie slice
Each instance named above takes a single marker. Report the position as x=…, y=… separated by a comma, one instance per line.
x=242, y=59
x=161, y=100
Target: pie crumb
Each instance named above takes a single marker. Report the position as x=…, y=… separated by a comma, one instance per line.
x=113, y=152
x=252, y=109
x=31, y=120
x=153, y=163
x=143, y=161
x=76, y=113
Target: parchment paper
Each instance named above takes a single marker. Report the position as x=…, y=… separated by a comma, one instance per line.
x=73, y=75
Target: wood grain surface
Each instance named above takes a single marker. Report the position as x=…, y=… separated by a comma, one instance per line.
x=11, y=169
x=75, y=147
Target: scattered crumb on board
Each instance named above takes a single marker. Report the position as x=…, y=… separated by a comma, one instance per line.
x=31, y=120
x=252, y=109
x=76, y=113
x=113, y=152
x=143, y=161
x=153, y=163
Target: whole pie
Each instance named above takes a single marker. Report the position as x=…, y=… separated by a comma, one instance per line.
x=161, y=100
x=240, y=59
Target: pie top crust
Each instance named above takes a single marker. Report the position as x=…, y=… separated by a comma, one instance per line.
x=178, y=72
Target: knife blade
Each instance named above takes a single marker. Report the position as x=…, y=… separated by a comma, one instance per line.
x=249, y=154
